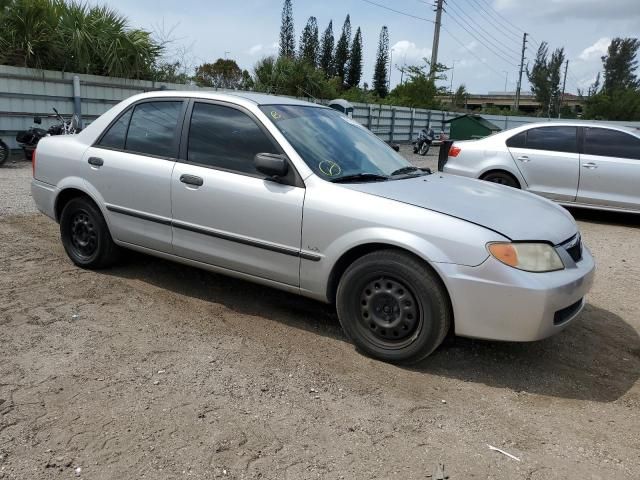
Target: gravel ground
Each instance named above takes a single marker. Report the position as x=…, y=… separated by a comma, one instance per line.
x=15, y=176
x=157, y=370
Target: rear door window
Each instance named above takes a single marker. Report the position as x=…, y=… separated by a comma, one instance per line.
x=556, y=139
x=153, y=127
x=611, y=143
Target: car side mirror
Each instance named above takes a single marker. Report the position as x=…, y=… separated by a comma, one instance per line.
x=37, y=120
x=273, y=165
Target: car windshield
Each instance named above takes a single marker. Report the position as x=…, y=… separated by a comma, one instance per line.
x=336, y=147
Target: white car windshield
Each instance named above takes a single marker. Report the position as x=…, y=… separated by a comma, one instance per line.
x=337, y=147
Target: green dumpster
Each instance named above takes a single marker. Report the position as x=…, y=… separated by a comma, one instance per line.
x=470, y=127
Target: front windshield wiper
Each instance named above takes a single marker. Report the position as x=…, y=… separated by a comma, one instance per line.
x=407, y=169
x=361, y=177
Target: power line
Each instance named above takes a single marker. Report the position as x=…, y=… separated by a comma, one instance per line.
x=507, y=23
x=503, y=49
x=510, y=61
x=399, y=12
x=471, y=52
x=506, y=33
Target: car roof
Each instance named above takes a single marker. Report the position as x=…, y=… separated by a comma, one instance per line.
x=570, y=123
x=230, y=95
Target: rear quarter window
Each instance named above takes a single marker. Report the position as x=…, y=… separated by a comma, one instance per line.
x=518, y=141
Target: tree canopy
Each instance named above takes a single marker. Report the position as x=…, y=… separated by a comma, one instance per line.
x=287, y=32
x=73, y=36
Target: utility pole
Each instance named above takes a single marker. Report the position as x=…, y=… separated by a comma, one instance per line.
x=564, y=83
x=390, y=67
x=436, y=38
x=524, y=46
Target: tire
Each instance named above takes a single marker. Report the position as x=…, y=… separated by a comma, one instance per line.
x=4, y=152
x=393, y=307
x=502, y=178
x=85, y=235
x=424, y=149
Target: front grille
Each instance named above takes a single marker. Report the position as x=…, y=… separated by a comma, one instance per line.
x=566, y=313
x=573, y=246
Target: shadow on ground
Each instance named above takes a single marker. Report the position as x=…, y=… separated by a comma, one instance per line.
x=610, y=218
x=596, y=358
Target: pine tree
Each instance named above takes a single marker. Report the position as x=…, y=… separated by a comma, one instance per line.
x=341, y=57
x=326, y=51
x=355, y=61
x=309, y=43
x=287, y=32
x=620, y=65
x=382, y=58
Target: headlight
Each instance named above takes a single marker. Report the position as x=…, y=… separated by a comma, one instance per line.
x=531, y=257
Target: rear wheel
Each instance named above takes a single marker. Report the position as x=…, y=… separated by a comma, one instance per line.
x=393, y=307
x=503, y=178
x=85, y=235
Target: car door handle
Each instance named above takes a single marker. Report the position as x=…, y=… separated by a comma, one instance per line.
x=524, y=158
x=96, y=161
x=590, y=165
x=191, y=180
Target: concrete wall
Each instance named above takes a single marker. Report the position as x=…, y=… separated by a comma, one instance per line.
x=26, y=92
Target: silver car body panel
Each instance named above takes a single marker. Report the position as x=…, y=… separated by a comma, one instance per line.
x=293, y=237
x=572, y=179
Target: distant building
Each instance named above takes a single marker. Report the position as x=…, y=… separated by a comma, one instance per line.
x=506, y=101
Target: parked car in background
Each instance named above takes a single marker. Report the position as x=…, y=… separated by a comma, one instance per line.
x=223, y=181
x=586, y=164
x=4, y=152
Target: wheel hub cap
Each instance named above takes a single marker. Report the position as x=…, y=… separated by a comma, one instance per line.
x=83, y=234
x=388, y=309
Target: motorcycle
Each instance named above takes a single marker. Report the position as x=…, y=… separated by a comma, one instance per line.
x=28, y=139
x=422, y=144
x=4, y=152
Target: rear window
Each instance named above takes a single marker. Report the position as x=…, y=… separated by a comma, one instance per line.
x=611, y=143
x=556, y=139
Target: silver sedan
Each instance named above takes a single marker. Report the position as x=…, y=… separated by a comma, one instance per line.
x=585, y=164
x=300, y=197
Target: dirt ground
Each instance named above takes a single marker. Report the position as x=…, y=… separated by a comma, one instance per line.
x=157, y=370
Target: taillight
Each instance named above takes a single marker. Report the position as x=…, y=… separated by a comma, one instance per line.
x=454, y=151
x=33, y=164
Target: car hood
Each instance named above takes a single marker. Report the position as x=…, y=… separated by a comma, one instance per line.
x=513, y=213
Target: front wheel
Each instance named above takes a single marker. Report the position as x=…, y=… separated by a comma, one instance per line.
x=393, y=307
x=85, y=235
x=424, y=149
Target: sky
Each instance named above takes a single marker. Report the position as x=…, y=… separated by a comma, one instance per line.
x=481, y=40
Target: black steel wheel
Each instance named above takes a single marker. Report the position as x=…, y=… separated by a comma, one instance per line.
x=389, y=313
x=4, y=152
x=393, y=306
x=85, y=235
x=502, y=178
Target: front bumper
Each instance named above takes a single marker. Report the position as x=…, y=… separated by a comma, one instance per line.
x=496, y=302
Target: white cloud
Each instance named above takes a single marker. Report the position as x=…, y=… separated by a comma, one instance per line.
x=255, y=49
x=596, y=50
x=408, y=52
x=260, y=49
